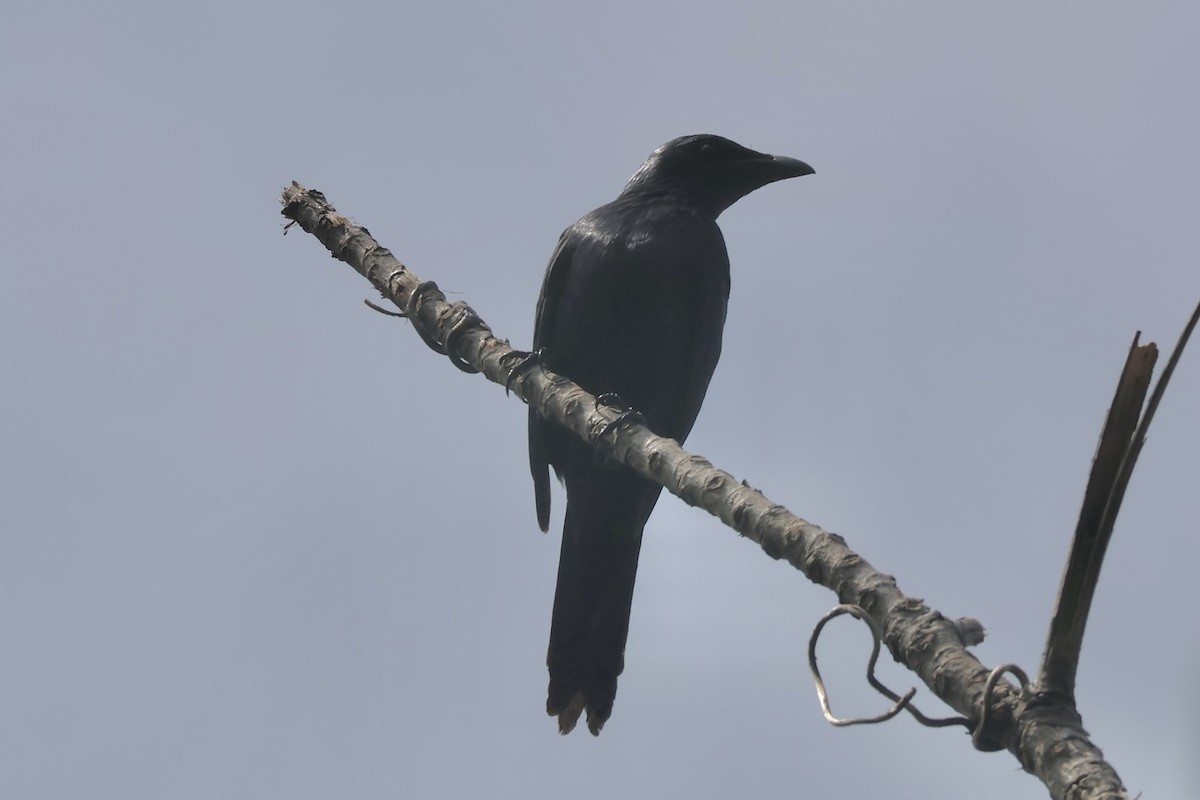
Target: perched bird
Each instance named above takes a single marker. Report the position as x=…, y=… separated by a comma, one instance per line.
x=633, y=303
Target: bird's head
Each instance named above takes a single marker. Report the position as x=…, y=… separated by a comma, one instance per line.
x=711, y=170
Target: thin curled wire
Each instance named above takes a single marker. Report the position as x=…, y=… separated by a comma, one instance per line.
x=412, y=310
x=902, y=703
x=467, y=319
x=988, y=687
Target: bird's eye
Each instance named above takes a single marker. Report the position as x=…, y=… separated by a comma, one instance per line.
x=708, y=151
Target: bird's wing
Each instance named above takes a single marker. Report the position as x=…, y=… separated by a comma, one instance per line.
x=708, y=324
x=679, y=303
x=543, y=325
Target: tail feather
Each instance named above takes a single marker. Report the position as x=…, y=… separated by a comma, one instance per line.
x=597, y=567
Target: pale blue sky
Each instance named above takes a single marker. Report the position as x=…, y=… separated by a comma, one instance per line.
x=257, y=541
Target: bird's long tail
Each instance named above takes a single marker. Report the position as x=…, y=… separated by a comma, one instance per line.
x=602, y=536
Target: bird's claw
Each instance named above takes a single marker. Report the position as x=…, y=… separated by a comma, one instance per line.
x=628, y=414
x=610, y=400
x=518, y=369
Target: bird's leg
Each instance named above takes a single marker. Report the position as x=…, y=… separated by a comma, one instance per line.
x=518, y=369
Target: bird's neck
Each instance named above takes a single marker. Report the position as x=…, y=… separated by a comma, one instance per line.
x=670, y=197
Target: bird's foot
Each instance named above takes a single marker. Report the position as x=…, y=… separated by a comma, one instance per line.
x=628, y=414
x=518, y=369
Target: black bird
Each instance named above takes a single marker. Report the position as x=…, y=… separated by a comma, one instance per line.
x=633, y=303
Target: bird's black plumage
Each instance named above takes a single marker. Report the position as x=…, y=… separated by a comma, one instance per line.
x=633, y=302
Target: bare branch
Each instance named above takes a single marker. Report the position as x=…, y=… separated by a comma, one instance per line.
x=919, y=637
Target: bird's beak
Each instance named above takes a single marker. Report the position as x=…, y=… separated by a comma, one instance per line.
x=783, y=167
x=762, y=169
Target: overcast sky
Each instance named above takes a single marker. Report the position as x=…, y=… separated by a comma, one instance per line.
x=258, y=541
